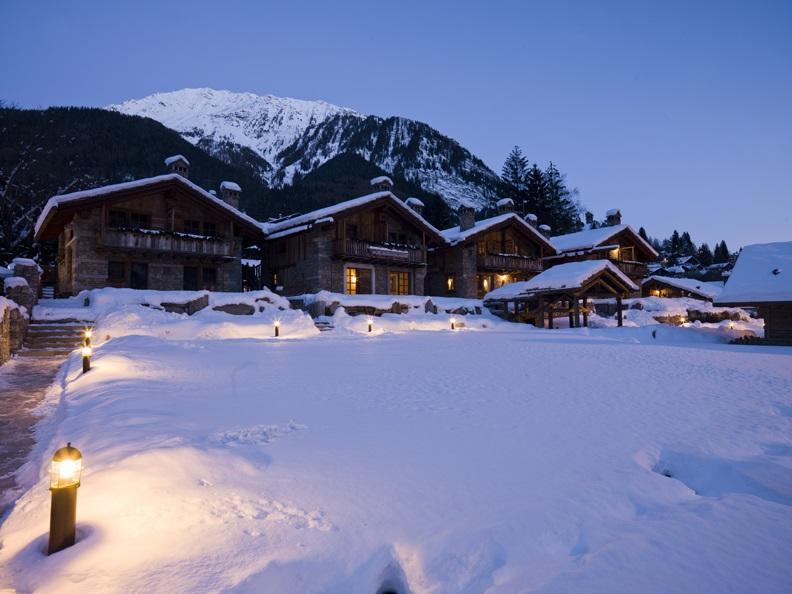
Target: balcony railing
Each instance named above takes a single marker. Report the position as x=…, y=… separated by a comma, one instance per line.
x=166, y=242
x=634, y=269
x=378, y=252
x=508, y=263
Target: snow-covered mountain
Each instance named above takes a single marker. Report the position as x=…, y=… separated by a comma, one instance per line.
x=281, y=139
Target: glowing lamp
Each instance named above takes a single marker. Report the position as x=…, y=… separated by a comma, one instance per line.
x=87, y=334
x=65, y=472
x=277, y=328
x=370, y=324
x=453, y=323
x=86, y=352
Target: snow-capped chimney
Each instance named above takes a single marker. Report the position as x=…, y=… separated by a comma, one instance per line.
x=178, y=164
x=382, y=183
x=229, y=192
x=531, y=219
x=505, y=205
x=613, y=217
x=415, y=204
x=467, y=216
x=545, y=230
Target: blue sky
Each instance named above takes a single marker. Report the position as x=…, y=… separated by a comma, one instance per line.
x=679, y=113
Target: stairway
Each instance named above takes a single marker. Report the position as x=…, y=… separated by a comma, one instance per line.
x=323, y=325
x=52, y=338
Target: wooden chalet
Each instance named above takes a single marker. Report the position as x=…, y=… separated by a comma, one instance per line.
x=563, y=290
x=667, y=286
x=161, y=232
x=479, y=256
x=372, y=244
x=615, y=242
x=762, y=278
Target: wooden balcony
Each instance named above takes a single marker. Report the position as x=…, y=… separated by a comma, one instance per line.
x=632, y=269
x=508, y=263
x=369, y=251
x=167, y=243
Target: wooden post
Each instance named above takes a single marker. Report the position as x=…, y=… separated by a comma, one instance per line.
x=576, y=308
x=550, y=314
x=585, y=312
x=539, y=316
x=569, y=313
x=619, y=316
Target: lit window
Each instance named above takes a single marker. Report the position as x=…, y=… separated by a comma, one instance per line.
x=351, y=281
x=451, y=284
x=400, y=283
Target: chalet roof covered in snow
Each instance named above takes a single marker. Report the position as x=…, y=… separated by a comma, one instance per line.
x=55, y=203
x=229, y=185
x=455, y=236
x=326, y=215
x=692, y=285
x=762, y=274
x=568, y=276
x=171, y=160
x=592, y=238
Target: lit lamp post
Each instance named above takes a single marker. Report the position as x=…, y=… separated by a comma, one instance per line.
x=65, y=470
x=87, y=334
x=453, y=323
x=86, y=357
x=370, y=324
x=277, y=328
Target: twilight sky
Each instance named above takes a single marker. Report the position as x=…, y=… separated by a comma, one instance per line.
x=679, y=113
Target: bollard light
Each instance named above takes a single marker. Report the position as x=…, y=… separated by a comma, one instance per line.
x=86, y=358
x=65, y=471
x=277, y=328
x=87, y=334
x=453, y=323
x=370, y=324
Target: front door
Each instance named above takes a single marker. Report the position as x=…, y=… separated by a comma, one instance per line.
x=138, y=275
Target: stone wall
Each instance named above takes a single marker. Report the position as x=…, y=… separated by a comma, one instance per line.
x=13, y=325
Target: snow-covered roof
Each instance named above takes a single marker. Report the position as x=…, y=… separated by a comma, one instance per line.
x=229, y=185
x=412, y=201
x=56, y=201
x=382, y=179
x=455, y=236
x=692, y=285
x=612, y=212
x=505, y=202
x=278, y=228
x=762, y=274
x=170, y=160
x=591, y=238
x=571, y=275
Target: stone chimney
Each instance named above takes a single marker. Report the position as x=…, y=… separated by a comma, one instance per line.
x=613, y=217
x=229, y=192
x=415, y=204
x=545, y=230
x=382, y=184
x=505, y=205
x=467, y=216
x=178, y=164
x=531, y=219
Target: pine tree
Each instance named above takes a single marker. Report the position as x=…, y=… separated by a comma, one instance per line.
x=721, y=253
x=642, y=233
x=515, y=169
x=562, y=209
x=686, y=245
x=705, y=255
x=675, y=245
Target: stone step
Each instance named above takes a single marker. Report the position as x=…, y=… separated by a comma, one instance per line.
x=53, y=343
x=42, y=352
x=62, y=322
x=56, y=328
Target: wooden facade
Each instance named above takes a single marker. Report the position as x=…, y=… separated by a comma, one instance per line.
x=164, y=235
x=506, y=252
x=366, y=247
x=655, y=287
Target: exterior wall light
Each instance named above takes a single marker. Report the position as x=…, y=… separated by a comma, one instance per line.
x=65, y=471
x=87, y=352
x=277, y=328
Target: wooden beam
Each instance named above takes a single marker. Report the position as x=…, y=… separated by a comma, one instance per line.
x=619, y=317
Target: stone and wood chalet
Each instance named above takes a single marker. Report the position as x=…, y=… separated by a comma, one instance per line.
x=376, y=243
x=667, y=286
x=762, y=278
x=478, y=256
x=615, y=242
x=161, y=232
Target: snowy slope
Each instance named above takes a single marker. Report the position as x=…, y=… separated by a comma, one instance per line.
x=355, y=463
x=294, y=137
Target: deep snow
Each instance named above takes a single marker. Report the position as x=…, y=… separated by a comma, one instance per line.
x=480, y=460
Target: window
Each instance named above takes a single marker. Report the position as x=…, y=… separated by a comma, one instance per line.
x=451, y=283
x=118, y=219
x=351, y=281
x=351, y=232
x=116, y=272
x=192, y=227
x=209, y=276
x=399, y=283
x=359, y=281
x=482, y=248
x=210, y=229
x=138, y=220
x=190, y=280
